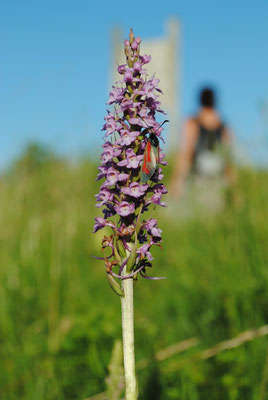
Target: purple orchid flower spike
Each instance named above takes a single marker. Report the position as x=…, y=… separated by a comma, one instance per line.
x=123, y=197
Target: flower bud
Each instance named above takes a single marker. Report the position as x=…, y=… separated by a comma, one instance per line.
x=134, y=45
x=128, y=76
x=131, y=36
x=137, y=66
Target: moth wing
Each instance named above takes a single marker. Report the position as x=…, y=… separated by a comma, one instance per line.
x=156, y=153
x=149, y=162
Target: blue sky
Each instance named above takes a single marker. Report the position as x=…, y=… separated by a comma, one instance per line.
x=55, y=59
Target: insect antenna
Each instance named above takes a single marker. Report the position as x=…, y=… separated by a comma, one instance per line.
x=149, y=128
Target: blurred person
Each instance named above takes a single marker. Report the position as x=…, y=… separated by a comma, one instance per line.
x=203, y=157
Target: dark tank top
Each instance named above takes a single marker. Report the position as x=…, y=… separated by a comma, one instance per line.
x=208, y=140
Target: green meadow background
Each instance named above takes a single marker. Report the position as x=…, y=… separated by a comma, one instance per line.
x=59, y=319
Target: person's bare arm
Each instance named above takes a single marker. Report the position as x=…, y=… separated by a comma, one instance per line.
x=226, y=137
x=230, y=173
x=184, y=158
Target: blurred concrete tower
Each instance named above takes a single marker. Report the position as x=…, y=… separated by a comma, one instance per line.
x=165, y=52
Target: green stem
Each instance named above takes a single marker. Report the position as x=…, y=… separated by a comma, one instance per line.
x=138, y=223
x=128, y=338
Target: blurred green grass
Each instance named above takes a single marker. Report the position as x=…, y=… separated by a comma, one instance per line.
x=59, y=319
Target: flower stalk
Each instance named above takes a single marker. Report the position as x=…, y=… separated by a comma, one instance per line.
x=127, y=310
x=131, y=166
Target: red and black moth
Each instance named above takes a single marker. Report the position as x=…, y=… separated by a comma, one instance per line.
x=151, y=157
